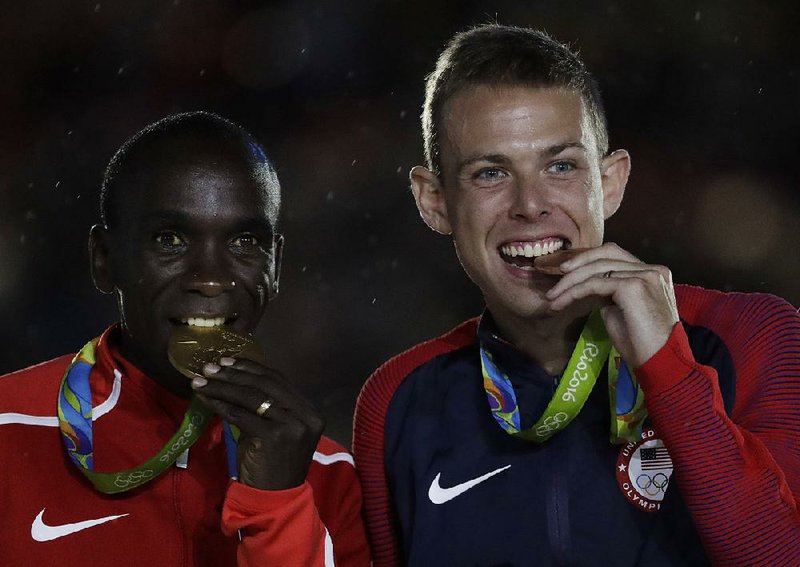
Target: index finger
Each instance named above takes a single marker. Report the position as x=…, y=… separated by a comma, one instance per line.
x=607, y=251
x=247, y=366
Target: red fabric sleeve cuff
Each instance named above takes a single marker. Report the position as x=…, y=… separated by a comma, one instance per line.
x=669, y=365
x=247, y=506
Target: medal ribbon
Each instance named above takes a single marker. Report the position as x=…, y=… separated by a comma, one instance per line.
x=626, y=399
x=75, y=422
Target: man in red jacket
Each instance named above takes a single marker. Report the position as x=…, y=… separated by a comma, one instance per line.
x=113, y=456
x=595, y=414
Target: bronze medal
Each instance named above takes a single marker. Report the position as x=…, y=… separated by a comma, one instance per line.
x=190, y=348
x=549, y=263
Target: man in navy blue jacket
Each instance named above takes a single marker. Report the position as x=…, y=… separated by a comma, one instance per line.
x=492, y=445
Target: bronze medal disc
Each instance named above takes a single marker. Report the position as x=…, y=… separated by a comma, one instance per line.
x=549, y=263
x=190, y=348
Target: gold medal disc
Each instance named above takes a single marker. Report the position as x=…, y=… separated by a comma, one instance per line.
x=190, y=348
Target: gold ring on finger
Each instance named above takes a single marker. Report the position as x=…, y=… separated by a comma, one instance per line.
x=262, y=409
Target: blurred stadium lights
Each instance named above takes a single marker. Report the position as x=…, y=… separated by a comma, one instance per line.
x=739, y=221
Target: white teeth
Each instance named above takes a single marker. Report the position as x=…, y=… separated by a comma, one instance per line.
x=532, y=250
x=204, y=322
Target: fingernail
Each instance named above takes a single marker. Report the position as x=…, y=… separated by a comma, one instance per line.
x=210, y=368
x=199, y=382
x=227, y=361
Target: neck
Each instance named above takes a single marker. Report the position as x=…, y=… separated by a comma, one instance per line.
x=164, y=375
x=549, y=340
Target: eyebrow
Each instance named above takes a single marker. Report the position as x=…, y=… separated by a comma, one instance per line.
x=503, y=159
x=557, y=149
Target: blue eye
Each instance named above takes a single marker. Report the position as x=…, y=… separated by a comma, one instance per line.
x=490, y=174
x=561, y=167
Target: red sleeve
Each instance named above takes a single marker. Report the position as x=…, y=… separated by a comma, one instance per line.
x=316, y=524
x=277, y=527
x=338, y=496
x=739, y=475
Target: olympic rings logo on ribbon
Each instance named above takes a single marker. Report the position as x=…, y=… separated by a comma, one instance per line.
x=134, y=478
x=652, y=485
x=552, y=423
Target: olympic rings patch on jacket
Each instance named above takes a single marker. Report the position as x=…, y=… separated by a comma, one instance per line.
x=644, y=469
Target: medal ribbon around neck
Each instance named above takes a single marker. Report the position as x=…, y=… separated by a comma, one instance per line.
x=75, y=422
x=626, y=399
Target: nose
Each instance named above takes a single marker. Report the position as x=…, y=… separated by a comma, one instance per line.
x=208, y=273
x=530, y=200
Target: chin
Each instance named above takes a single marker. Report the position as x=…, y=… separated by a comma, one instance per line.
x=525, y=305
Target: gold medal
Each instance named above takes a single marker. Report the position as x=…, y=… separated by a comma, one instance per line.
x=190, y=348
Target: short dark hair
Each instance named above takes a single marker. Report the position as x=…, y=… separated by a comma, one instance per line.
x=494, y=54
x=200, y=125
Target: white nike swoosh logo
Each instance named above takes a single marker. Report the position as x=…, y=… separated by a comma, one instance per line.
x=42, y=532
x=439, y=495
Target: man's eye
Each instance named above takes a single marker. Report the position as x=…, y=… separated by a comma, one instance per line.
x=245, y=242
x=490, y=174
x=561, y=167
x=169, y=240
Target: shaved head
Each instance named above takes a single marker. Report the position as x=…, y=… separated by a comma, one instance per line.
x=186, y=141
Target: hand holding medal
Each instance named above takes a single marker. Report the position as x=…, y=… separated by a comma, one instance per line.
x=279, y=427
x=636, y=300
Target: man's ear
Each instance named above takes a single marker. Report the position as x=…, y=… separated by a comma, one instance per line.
x=614, y=171
x=99, y=259
x=277, y=259
x=429, y=196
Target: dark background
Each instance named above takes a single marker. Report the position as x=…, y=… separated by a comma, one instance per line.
x=703, y=94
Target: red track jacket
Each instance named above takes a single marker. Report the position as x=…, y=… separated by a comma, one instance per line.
x=52, y=515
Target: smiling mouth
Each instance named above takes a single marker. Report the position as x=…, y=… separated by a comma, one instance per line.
x=203, y=321
x=523, y=254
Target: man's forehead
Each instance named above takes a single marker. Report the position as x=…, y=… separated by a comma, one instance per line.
x=521, y=117
x=511, y=102
x=195, y=186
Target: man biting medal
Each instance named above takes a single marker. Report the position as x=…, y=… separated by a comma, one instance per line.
x=178, y=445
